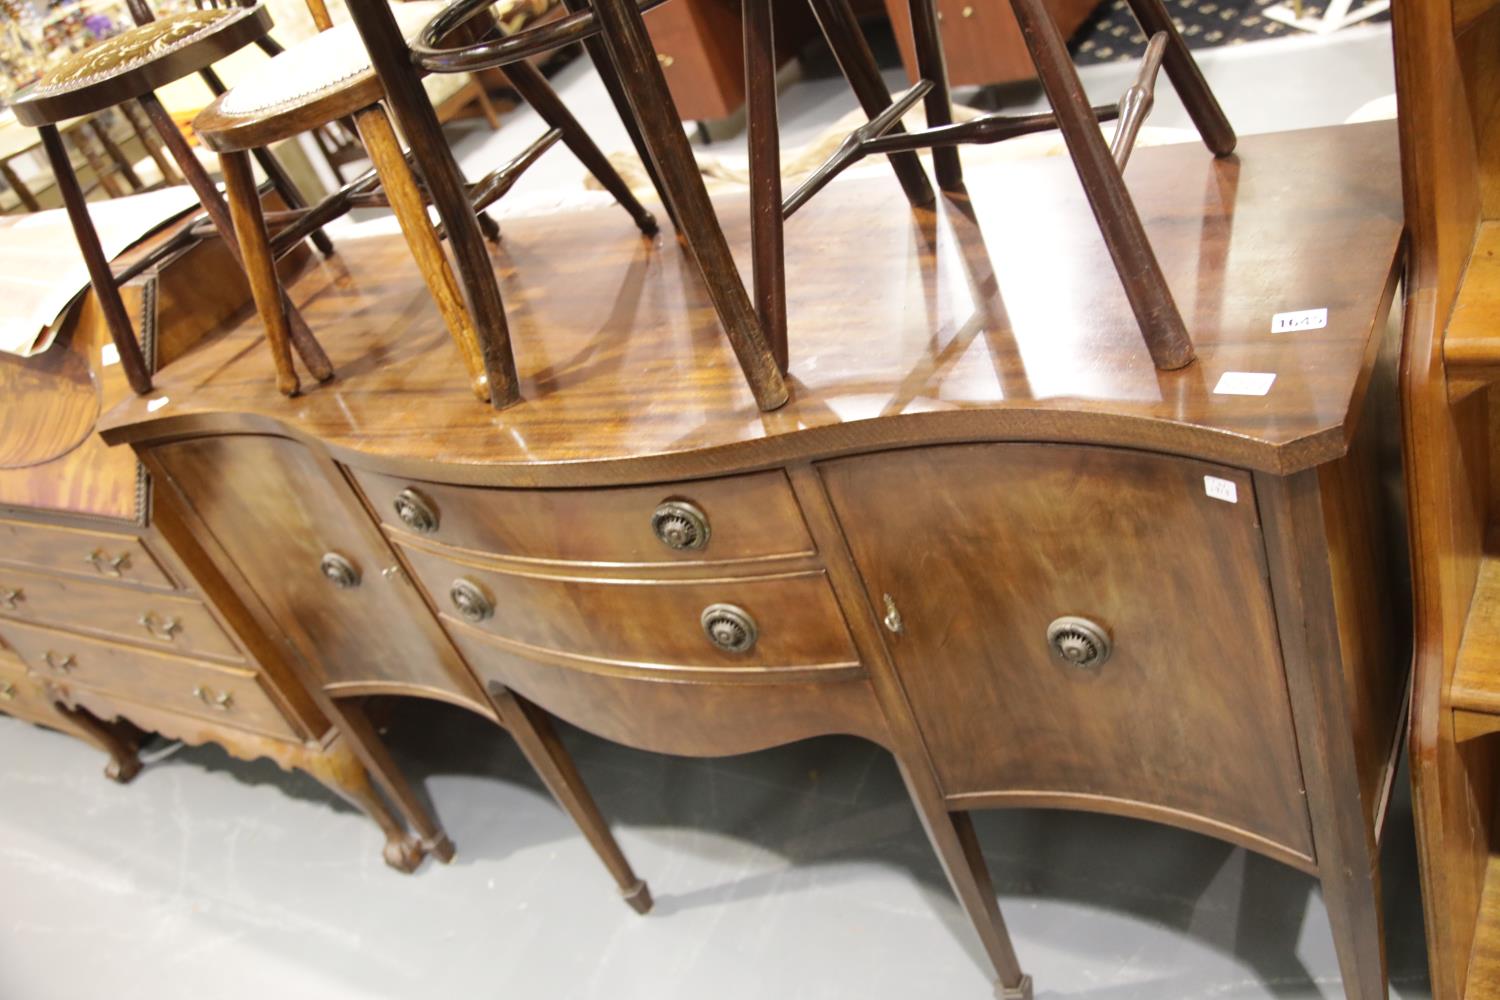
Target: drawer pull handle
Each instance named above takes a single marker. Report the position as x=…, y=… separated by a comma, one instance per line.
x=165, y=629
x=221, y=702
x=416, y=511
x=10, y=596
x=680, y=525
x=7, y=691
x=472, y=603
x=729, y=628
x=59, y=664
x=1079, y=642
x=339, y=571
x=892, y=619
x=109, y=566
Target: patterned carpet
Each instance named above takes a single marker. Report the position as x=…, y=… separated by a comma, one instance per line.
x=1112, y=35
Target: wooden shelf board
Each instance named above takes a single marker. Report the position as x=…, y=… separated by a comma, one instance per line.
x=1471, y=346
x=1476, y=675
x=1484, y=961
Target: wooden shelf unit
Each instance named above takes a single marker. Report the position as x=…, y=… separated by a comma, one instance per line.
x=1448, y=85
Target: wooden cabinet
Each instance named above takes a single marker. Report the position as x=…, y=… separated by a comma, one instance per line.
x=981, y=40
x=957, y=487
x=1187, y=718
x=308, y=553
x=113, y=619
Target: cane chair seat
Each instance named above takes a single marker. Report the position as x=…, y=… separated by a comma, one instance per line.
x=138, y=61
x=315, y=81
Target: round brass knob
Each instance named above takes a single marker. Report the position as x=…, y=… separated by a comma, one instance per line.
x=680, y=525
x=471, y=602
x=729, y=628
x=1079, y=642
x=339, y=571
x=416, y=511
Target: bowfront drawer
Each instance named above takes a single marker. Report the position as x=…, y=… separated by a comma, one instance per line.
x=223, y=694
x=781, y=625
x=713, y=520
x=120, y=558
x=176, y=623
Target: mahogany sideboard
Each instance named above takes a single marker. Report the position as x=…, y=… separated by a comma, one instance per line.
x=112, y=620
x=985, y=533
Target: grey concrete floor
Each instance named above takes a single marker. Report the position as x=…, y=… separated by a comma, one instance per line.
x=796, y=873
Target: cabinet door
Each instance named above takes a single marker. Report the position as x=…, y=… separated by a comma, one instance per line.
x=278, y=513
x=982, y=547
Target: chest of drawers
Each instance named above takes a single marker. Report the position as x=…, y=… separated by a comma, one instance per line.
x=114, y=621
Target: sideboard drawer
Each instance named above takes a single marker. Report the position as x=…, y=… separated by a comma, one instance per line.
x=178, y=623
x=712, y=520
x=785, y=623
x=225, y=694
x=108, y=556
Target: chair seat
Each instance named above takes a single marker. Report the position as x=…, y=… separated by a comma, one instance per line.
x=314, y=82
x=137, y=61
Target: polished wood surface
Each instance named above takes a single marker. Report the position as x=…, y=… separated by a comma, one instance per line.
x=49, y=403
x=1447, y=83
x=651, y=627
x=272, y=508
x=997, y=541
x=229, y=695
x=749, y=518
x=172, y=622
x=941, y=327
x=82, y=552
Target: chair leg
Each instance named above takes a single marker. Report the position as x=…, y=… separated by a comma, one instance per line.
x=152, y=145
x=857, y=62
x=282, y=182
x=537, y=92
x=598, y=54
x=928, y=42
x=1145, y=286
x=532, y=730
x=115, y=154
x=28, y=200
x=218, y=213
x=661, y=129
x=102, y=171
x=768, y=261
x=411, y=212
x=446, y=187
x=260, y=263
x=101, y=276
x=1187, y=79
x=952, y=836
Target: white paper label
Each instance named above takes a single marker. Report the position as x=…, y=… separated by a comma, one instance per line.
x=111, y=355
x=1303, y=319
x=155, y=404
x=1221, y=489
x=1244, y=383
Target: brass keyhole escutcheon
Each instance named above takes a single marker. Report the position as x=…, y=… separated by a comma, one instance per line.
x=680, y=525
x=339, y=571
x=1079, y=642
x=416, y=511
x=892, y=619
x=729, y=628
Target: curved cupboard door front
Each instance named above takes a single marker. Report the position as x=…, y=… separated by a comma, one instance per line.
x=1083, y=627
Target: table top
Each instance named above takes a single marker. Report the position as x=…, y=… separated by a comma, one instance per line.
x=1000, y=320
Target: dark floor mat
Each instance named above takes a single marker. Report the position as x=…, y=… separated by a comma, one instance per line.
x=1112, y=35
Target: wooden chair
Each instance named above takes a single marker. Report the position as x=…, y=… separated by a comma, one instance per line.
x=129, y=67
x=326, y=79
x=613, y=30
